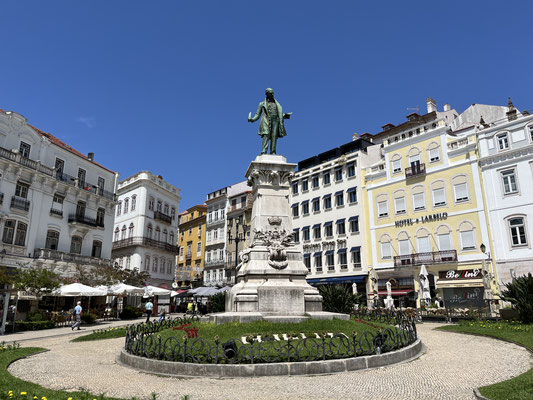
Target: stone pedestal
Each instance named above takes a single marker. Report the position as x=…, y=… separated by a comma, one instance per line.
x=271, y=278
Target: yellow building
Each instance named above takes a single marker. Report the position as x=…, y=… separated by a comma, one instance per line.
x=424, y=207
x=191, y=246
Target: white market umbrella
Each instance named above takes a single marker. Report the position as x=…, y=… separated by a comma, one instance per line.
x=121, y=288
x=224, y=289
x=354, y=288
x=205, y=292
x=155, y=291
x=389, y=302
x=79, y=289
x=425, y=295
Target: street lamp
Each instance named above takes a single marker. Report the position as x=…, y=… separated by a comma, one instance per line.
x=240, y=236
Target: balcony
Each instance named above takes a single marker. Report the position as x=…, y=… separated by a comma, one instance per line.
x=59, y=213
x=56, y=255
x=1, y=198
x=19, y=203
x=60, y=176
x=144, y=241
x=415, y=170
x=188, y=256
x=82, y=219
x=158, y=215
x=435, y=257
x=215, y=263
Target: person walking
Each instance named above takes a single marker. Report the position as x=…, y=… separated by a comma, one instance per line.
x=77, y=314
x=148, y=307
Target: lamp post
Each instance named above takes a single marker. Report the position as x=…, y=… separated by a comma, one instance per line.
x=240, y=236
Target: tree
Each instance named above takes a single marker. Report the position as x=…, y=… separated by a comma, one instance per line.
x=107, y=275
x=519, y=293
x=37, y=281
x=338, y=298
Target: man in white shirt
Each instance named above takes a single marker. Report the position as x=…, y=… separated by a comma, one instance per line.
x=77, y=314
x=148, y=306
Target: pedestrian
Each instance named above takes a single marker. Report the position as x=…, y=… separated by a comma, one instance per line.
x=148, y=306
x=162, y=315
x=190, y=307
x=77, y=314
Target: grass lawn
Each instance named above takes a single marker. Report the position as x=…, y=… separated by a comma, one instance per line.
x=110, y=333
x=518, y=388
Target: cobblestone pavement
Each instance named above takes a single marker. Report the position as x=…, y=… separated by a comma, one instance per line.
x=453, y=365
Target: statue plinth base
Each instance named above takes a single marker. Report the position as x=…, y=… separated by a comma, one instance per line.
x=271, y=281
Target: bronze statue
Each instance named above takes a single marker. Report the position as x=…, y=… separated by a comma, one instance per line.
x=271, y=126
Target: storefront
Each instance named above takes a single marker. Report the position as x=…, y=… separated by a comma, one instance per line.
x=461, y=288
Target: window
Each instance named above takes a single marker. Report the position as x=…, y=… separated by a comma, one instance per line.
x=199, y=248
x=130, y=230
x=318, y=261
x=169, y=267
x=199, y=230
x=422, y=242
x=119, y=208
x=155, y=264
x=151, y=204
x=339, y=198
x=326, y=177
x=354, y=224
x=52, y=240
x=327, y=202
x=399, y=205
x=461, y=192
x=503, y=141
x=305, y=233
x=419, y=201
x=530, y=128
x=439, y=197
x=100, y=215
x=123, y=232
x=330, y=260
x=189, y=249
x=315, y=181
x=338, y=174
x=295, y=187
x=190, y=230
x=59, y=168
x=305, y=185
x=328, y=229
x=316, y=231
x=97, y=251
x=147, y=263
x=80, y=209
x=9, y=231
x=171, y=238
x=341, y=228
x=24, y=149
x=351, y=169
x=159, y=205
x=509, y=181
x=396, y=164
x=21, y=190
x=466, y=235
x=316, y=204
x=75, y=244
x=386, y=250
x=445, y=241
x=517, y=229
x=352, y=195
x=383, y=209
x=117, y=234
x=305, y=207
x=296, y=235
x=343, y=258
x=356, y=256
x=166, y=209
x=101, y=186
x=157, y=234
x=149, y=231
x=307, y=261
x=434, y=154
x=20, y=234
x=81, y=177
x=173, y=213
x=182, y=249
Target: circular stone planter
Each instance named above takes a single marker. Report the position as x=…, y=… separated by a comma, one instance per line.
x=191, y=370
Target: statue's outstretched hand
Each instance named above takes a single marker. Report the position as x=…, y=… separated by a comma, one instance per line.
x=250, y=117
x=287, y=115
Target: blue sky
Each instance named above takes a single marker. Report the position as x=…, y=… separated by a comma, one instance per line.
x=166, y=86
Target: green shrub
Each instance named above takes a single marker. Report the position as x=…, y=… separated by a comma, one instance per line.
x=218, y=302
x=130, y=312
x=88, y=318
x=338, y=298
x=519, y=293
x=34, y=325
x=37, y=316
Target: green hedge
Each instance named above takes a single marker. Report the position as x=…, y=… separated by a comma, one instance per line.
x=33, y=325
x=88, y=318
x=130, y=313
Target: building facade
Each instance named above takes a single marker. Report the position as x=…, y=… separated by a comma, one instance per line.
x=56, y=203
x=505, y=139
x=327, y=214
x=191, y=246
x=215, y=239
x=146, y=227
x=425, y=207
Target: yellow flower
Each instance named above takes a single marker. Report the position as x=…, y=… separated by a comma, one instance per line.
x=23, y=393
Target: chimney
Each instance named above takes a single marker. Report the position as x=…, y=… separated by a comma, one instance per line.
x=355, y=136
x=90, y=156
x=511, y=114
x=447, y=107
x=432, y=105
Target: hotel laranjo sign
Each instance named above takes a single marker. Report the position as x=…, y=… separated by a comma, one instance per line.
x=422, y=219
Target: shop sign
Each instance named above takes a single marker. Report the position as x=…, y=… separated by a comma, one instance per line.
x=456, y=275
x=464, y=297
x=422, y=219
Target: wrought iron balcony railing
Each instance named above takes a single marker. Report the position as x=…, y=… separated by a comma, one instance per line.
x=57, y=255
x=415, y=170
x=435, y=257
x=56, y=212
x=144, y=241
x=83, y=219
x=162, y=217
x=20, y=203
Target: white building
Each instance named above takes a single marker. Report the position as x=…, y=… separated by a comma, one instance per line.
x=327, y=214
x=56, y=204
x=146, y=227
x=505, y=143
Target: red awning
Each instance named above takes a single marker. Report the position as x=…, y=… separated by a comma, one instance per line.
x=164, y=286
x=395, y=292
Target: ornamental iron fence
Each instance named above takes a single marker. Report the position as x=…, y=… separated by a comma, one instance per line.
x=144, y=340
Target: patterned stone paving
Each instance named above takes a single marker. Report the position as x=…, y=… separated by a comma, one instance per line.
x=453, y=365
